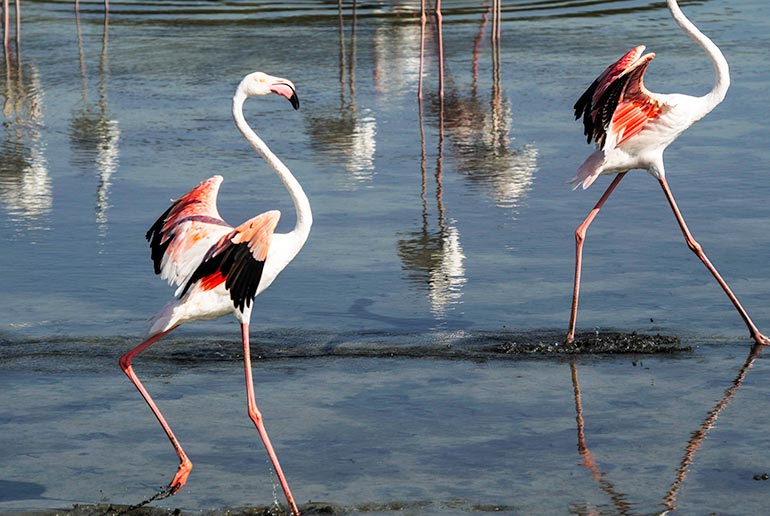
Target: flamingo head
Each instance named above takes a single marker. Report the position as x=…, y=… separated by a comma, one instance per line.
x=259, y=83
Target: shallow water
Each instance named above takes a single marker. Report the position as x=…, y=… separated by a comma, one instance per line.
x=587, y=435
x=431, y=224
x=473, y=231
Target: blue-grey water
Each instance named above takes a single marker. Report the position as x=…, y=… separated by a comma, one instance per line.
x=433, y=222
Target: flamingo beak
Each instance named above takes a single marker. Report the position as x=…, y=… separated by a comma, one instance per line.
x=286, y=89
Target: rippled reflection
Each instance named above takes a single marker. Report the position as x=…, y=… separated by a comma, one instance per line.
x=478, y=129
x=699, y=435
x=346, y=132
x=621, y=504
x=25, y=185
x=396, y=62
x=93, y=135
x=433, y=256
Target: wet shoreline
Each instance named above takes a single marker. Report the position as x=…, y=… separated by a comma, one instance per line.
x=392, y=433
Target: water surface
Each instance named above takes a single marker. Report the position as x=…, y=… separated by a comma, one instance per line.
x=434, y=221
x=423, y=221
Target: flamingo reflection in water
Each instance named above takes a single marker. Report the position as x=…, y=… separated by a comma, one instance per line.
x=439, y=44
x=479, y=129
x=478, y=132
x=25, y=185
x=5, y=18
x=93, y=135
x=434, y=258
x=496, y=9
x=346, y=131
x=622, y=506
x=6, y=22
x=698, y=436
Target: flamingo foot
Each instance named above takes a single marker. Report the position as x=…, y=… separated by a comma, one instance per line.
x=179, y=480
x=570, y=338
x=761, y=339
x=181, y=477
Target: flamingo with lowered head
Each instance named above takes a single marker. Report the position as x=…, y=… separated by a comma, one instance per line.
x=218, y=269
x=632, y=127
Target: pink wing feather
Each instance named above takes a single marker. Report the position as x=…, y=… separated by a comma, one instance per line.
x=182, y=235
x=615, y=70
x=617, y=105
x=237, y=260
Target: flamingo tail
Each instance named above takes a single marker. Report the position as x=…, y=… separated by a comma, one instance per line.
x=164, y=320
x=589, y=170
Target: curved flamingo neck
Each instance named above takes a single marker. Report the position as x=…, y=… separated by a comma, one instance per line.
x=721, y=68
x=301, y=204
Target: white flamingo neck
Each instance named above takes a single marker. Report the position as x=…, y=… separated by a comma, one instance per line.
x=301, y=204
x=721, y=68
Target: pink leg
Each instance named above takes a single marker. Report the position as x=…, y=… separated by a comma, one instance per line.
x=580, y=235
x=6, y=23
x=18, y=28
x=423, y=20
x=439, y=19
x=185, y=466
x=496, y=9
x=256, y=417
x=696, y=248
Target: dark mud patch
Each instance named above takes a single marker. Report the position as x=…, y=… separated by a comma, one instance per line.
x=589, y=343
x=308, y=509
x=95, y=353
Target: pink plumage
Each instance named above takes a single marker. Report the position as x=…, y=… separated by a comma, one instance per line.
x=632, y=127
x=218, y=269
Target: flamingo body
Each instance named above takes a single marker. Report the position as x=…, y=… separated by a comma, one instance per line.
x=218, y=269
x=632, y=127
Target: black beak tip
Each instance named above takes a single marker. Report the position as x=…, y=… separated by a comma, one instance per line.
x=294, y=101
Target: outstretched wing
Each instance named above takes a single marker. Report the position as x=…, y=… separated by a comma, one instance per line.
x=617, y=105
x=180, y=238
x=237, y=260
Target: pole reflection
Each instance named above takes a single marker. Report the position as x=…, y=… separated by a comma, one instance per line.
x=25, y=185
x=619, y=500
x=94, y=136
